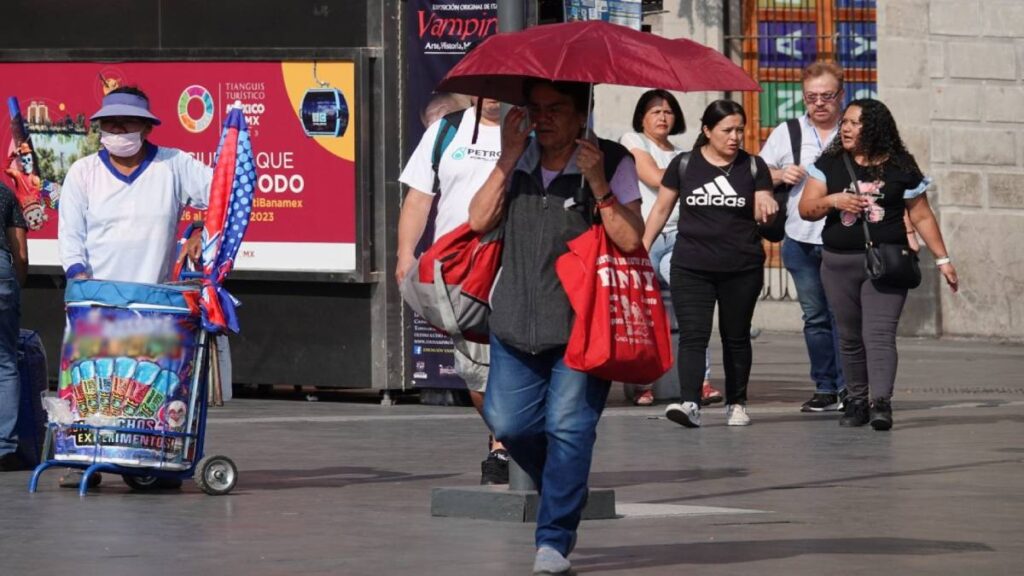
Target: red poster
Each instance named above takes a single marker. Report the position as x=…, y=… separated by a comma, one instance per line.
x=304, y=217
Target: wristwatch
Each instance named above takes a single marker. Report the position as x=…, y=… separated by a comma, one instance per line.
x=941, y=261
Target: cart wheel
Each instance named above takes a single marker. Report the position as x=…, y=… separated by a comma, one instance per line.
x=145, y=483
x=216, y=475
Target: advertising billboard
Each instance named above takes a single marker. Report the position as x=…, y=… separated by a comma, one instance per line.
x=301, y=117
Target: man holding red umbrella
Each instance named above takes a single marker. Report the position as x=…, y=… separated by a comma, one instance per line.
x=544, y=412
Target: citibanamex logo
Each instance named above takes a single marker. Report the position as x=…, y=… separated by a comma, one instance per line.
x=195, y=108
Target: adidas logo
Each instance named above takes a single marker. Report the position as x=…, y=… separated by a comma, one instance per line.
x=716, y=193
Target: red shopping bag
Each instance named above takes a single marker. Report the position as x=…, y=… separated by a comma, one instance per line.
x=621, y=331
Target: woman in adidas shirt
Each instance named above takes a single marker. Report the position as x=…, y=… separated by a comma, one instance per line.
x=656, y=117
x=722, y=195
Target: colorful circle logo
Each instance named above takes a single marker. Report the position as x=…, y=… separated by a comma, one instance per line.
x=195, y=92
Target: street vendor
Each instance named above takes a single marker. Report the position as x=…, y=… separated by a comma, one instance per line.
x=120, y=207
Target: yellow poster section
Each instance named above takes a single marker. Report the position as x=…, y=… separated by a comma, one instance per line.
x=298, y=77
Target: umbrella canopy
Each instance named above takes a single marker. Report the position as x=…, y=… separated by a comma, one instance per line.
x=231, y=193
x=595, y=52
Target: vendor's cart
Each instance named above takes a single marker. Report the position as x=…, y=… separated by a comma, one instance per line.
x=135, y=372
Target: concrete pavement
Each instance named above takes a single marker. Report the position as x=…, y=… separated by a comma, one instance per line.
x=335, y=487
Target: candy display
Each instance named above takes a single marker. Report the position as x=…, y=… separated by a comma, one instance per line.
x=128, y=363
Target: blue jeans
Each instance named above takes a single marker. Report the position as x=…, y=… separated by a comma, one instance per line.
x=803, y=261
x=546, y=415
x=10, y=385
x=661, y=258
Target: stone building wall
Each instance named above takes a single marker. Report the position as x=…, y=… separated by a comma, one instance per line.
x=952, y=71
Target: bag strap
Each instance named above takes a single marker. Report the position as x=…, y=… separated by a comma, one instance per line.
x=795, y=138
x=856, y=186
x=684, y=161
x=445, y=134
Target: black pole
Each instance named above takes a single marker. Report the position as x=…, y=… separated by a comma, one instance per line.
x=512, y=18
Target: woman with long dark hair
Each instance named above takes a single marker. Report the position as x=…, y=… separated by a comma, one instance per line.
x=889, y=183
x=718, y=259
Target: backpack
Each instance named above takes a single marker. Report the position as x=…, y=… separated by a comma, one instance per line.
x=776, y=230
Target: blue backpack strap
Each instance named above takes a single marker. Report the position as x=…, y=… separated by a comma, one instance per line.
x=445, y=134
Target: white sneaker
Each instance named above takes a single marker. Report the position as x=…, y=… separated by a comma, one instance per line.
x=736, y=415
x=686, y=414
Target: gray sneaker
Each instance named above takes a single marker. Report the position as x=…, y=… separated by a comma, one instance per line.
x=685, y=414
x=550, y=562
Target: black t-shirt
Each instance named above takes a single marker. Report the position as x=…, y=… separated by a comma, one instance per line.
x=717, y=231
x=844, y=232
x=11, y=213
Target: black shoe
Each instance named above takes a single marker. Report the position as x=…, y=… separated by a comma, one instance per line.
x=11, y=462
x=881, y=414
x=856, y=413
x=821, y=403
x=494, y=470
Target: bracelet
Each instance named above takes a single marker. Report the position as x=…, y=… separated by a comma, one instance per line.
x=606, y=200
x=941, y=261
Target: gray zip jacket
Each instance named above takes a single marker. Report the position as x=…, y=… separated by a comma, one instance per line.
x=529, y=308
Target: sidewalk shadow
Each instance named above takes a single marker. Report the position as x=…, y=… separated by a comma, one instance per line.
x=623, y=478
x=832, y=482
x=631, y=558
x=947, y=420
x=331, y=477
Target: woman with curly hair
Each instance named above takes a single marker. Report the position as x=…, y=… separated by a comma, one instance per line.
x=867, y=311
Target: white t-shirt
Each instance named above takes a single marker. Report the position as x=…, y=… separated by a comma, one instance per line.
x=777, y=153
x=637, y=141
x=463, y=169
x=125, y=228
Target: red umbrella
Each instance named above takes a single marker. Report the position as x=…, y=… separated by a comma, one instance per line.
x=595, y=52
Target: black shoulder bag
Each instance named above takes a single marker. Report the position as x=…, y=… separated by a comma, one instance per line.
x=890, y=264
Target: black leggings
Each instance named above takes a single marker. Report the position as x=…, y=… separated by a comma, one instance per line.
x=694, y=294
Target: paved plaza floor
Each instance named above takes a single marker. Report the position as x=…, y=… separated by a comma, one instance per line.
x=343, y=487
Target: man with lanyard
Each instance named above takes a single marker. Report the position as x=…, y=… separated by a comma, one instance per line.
x=462, y=165
x=801, y=249
x=120, y=207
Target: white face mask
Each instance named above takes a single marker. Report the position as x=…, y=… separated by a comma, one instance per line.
x=122, y=145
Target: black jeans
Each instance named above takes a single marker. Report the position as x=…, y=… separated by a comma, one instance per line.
x=694, y=294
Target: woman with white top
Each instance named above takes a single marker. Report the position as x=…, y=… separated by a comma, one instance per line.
x=656, y=117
